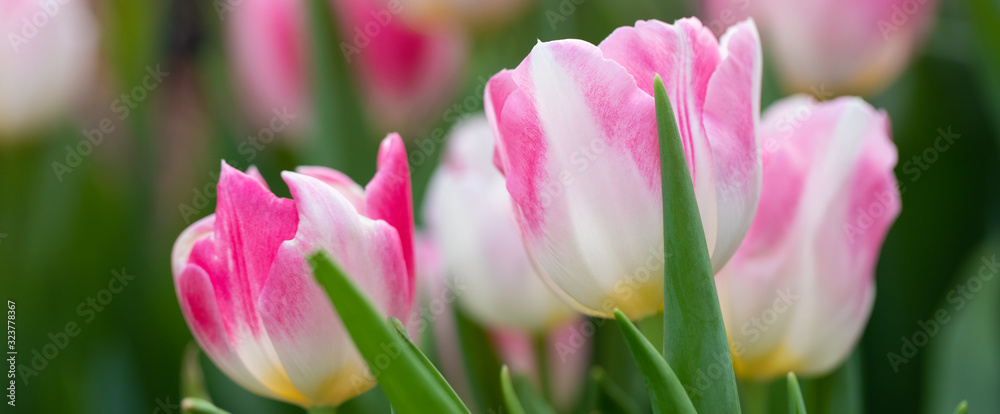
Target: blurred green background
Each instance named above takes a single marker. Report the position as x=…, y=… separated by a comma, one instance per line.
x=61, y=242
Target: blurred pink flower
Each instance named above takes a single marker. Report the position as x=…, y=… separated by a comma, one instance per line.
x=470, y=215
x=471, y=13
x=248, y=293
x=47, y=60
x=847, y=47
x=405, y=75
x=798, y=292
x=577, y=140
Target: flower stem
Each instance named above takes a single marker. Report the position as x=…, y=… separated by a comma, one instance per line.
x=542, y=363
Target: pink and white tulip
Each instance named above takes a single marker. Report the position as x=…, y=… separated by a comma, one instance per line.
x=577, y=140
x=470, y=214
x=798, y=292
x=831, y=46
x=405, y=75
x=47, y=59
x=248, y=293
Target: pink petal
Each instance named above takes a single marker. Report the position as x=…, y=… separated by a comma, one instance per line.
x=307, y=334
x=340, y=182
x=389, y=197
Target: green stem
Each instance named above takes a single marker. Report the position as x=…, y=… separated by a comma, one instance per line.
x=542, y=361
x=755, y=397
x=322, y=410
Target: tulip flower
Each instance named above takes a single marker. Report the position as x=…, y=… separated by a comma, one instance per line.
x=42, y=40
x=829, y=46
x=577, y=140
x=798, y=291
x=405, y=75
x=470, y=215
x=247, y=291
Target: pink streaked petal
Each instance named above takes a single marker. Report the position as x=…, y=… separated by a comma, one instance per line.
x=730, y=117
x=340, y=182
x=201, y=311
x=186, y=241
x=307, y=334
x=254, y=173
x=389, y=197
x=498, y=89
x=580, y=147
x=250, y=224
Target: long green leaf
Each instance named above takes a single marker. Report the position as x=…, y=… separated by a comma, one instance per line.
x=404, y=379
x=481, y=363
x=609, y=396
x=665, y=390
x=796, y=405
x=438, y=378
x=531, y=400
x=694, y=336
x=509, y=396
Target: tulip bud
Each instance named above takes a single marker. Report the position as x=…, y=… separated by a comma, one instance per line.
x=577, y=140
x=798, y=292
x=471, y=216
x=48, y=54
x=834, y=47
x=247, y=291
x=405, y=75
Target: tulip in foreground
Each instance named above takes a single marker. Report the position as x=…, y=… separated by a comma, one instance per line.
x=798, y=292
x=247, y=291
x=470, y=215
x=48, y=53
x=834, y=46
x=577, y=140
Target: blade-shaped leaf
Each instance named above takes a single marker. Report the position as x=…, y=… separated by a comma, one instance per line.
x=610, y=396
x=405, y=381
x=665, y=390
x=438, y=378
x=796, y=405
x=694, y=336
x=481, y=362
x=531, y=400
x=509, y=396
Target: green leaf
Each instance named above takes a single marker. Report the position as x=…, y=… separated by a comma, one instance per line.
x=796, y=405
x=481, y=363
x=199, y=406
x=610, y=397
x=665, y=390
x=438, y=378
x=532, y=401
x=963, y=408
x=404, y=379
x=694, y=336
x=509, y=397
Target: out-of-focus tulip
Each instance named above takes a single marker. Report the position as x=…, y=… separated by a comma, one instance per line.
x=577, y=140
x=797, y=293
x=471, y=216
x=843, y=47
x=567, y=348
x=472, y=13
x=247, y=291
x=46, y=60
x=405, y=75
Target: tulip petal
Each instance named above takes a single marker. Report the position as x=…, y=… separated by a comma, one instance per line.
x=201, y=229
x=578, y=142
x=302, y=323
x=201, y=311
x=340, y=182
x=732, y=105
x=389, y=198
